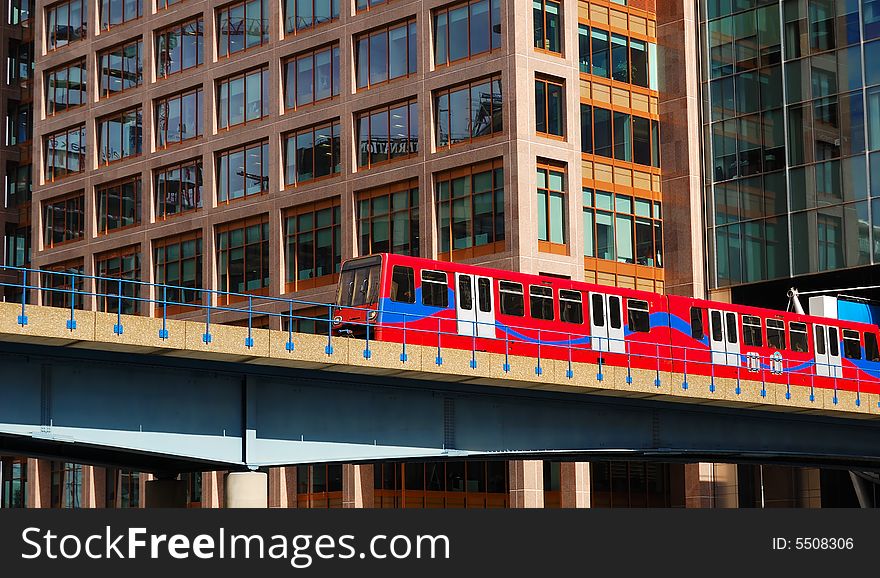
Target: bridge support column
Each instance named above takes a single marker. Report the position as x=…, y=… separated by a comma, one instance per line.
x=574, y=482
x=526, y=483
x=357, y=486
x=165, y=491
x=247, y=490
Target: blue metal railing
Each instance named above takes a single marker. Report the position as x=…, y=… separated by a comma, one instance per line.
x=130, y=293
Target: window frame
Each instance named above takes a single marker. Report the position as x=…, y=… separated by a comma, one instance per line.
x=82, y=29
x=567, y=296
x=410, y=279
x=640, y=321
x=196, y=165
x=224, y=198
x=102, y=191
x=48, y=207
x=548, y=245
x=543, y=110
x=412, y=107
x=227, y=83
x=112, y=51
x=850, y=336
x=291, y=245
x=777, y=327
x=412, y=60
x=335, y=153
x=164, y=35
x=367, y=199
x=468, y=87
x=166, y=101
x=560, y=28
x=442, y=14
x=753, y=330
x=515, y=289
x=265, y=280
x=540, y=292
x=105, y=13
x=223, y=50
x=48, y=157
x=292, y=31
x=290, y=93
x=182, y=294
x=53, y=72
x=428, y=296
x=119, y=116
x=109, y=301
x=803, y=332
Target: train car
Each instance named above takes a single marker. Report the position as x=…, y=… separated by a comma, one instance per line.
x=418, y=301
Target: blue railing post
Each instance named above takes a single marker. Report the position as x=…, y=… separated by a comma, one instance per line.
x=249, y=340
x=570, y=373
x=763, y=376
x=629, y=378
x=117, y=329
x=403, y=356
x=684, y=355
x=657, y=353
x=858, y=389
x=439, y=360
x=71, y=323
x=474, y=344
x=207, y=337
x=289, y=346
x=163, y=333
x=538, y=369
x=787, y=381
x=506, y=366
x=329, y=348
x=367, y=352
x=738, y=366
x=599, y=376
x=22, y=319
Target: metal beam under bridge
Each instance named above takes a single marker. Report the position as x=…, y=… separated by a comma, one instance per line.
x=177, y=414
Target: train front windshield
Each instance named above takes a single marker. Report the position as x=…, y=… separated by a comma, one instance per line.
x=359, y=282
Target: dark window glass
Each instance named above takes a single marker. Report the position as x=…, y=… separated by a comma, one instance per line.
x=512, y=302
x=178, y=189
x=872, y=351
x=638, y=318
x=484, y=295
x=798, y=337
x=571, y=308
x=470, y=207
x=180, y=47
x=387, y=133
x=833, y=343
x=63, y=284
x=120, y=68
x=403, y=285
x=65, y=153
x=243, y=171
x=65, y=87
x=619, y=58
x=313, y=242
x=465, y=297
x=717, y=327
x=388, y=220
x=752, y=331
x=178, y=264
x=603, y=139
x=385, y=54
x=311, y=77
x=732, y=330
x=549, y=104
x=820, y=340
x=113, y=296
x=597, y=306
x=776, y=334
x=120, y=136
x=541, y=302
x=118, y=204
x=305, y=14
x=63, y=220
x=312, y=153
x=548, y=25
x=243, y=255
x=697, y=323
x=435, y=289
x=852, y=348
x=614, y=313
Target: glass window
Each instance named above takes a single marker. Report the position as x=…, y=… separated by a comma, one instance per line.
x=243, y=98
x=467, y=112
x=622, y=136
x=120, y=136
x=511, y=298
x=872, y=352
x=549, y=105
x=121, y=68
x=752, y=331
x=113, y=296
x=797, y=333
x=178, y=264
x=586, y=129
x=178, y=189
x=118, y=204
x=241, y=26
x=65, y=87
x=637, y=316
x=385, y=54
x=388, y=219
x=305, y=14
x=313, y=244
x=626, y=228
x=66, y=22
x=470, y=207
x=571, y=308
x=776, y=334
x=387, y=133
x=551, y=205
x=180, y=47
x=601, y=50
x=403, y=285
x=115, y=12
x=435, y=289
x=548, y=25
x=466, y=30
x=639, y=62
x=584, y=49
x=312, y=153
x=243, y=255
x=852, y=347
x=311, y=77
x=179, y=117
x=541, y=302
x=63, y=220
x=64, y=153
x=619, y=58
x=243, y=171
x=63, y=284
x=697, y=323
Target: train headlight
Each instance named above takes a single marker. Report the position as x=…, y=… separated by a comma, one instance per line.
x=372, y=315
x=337, y=320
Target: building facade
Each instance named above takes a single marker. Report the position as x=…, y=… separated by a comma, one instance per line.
x=791, y=134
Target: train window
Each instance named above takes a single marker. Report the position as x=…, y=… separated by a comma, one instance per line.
x=637, y=315
x=752, y=331
x=484, y=295
x=820, y=340
x=541, y=302
x=571, y=308
x=696, y=323
x=465, y=298
x=797, y=334
x=403, y=285
x=717, y=329
x=833, y=344
x=852, y=348
x=597, y=305
x=776, y=334
x=614, y=320
x=435, y=290
x=512, y=302
x=731, y=327
x=872, y=352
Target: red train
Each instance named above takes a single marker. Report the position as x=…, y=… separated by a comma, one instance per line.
x=449, y=305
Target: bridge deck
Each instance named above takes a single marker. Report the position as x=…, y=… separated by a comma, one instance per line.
x=141, y=335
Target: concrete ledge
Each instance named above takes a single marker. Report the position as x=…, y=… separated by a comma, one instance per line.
x=138, y=332
x=51, y=323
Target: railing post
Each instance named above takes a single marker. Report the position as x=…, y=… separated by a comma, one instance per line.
x=738, y=366
x=858, y=389
x=249, y=340
x=657, y=353
x=163, y=333
x=117, y=329
x=570, y=373
x=439, y=360
x=474, y=344
x=403, y=356
x=328, y=349
x=289, y=345
x=787, y=381
x=207, y=337
x=538, y=369
x=506, y=366
x=763, y=377
x=22, y=319
x=629, y=378
x=71, y=323
x=367, y=352
x=599, y=375
x=684, y=383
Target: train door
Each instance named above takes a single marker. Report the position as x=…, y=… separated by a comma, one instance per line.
x=827, y=348
x=474, y=306
x=724, y=337
x=606, y=323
